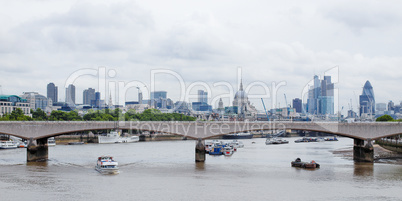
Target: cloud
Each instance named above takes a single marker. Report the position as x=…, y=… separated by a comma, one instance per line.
x=359, y=15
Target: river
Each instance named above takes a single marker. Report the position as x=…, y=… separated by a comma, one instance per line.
x=166, y=170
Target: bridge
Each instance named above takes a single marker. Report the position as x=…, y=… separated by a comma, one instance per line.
x=37, y=132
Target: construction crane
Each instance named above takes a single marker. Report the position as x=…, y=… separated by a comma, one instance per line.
x=265, y=108
x=287, y=106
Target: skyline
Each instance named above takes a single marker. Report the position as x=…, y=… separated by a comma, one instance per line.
x=204, y=41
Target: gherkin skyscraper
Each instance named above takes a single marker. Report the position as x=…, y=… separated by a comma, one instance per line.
x=367, y=100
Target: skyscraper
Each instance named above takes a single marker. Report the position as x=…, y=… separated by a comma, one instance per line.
x=367, y=100
x=297, y=104
x=321, y=96
x=70, y=94
x=158, y=94
x=88, y=95
x=202, y=96
x=52, y=92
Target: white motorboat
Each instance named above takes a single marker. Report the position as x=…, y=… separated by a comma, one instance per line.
x=8, y=144
x=51, y=142
x=228, y=151
x=236, y=144
x=114, y=137
x=106, y=165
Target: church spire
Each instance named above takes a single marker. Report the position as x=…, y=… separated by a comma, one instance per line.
x=241, y=84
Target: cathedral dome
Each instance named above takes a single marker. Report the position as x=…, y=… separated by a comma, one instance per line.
x=240, y=95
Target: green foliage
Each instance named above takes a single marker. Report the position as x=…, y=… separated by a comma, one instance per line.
x=385, y=118
x=16, y=115
x=98, y=115
x=39, y=115
x=57, y=115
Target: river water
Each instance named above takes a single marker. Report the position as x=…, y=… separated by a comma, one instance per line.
x=166, y=170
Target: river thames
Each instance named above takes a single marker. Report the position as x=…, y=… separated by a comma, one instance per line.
x=166, y=170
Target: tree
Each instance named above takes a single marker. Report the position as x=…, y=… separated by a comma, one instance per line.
x=39, y=115
x=385, y=118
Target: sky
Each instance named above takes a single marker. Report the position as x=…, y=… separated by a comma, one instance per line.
x=207, y=45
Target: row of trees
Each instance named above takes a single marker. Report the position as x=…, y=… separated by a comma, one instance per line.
x=98, y=115
x=387, y=118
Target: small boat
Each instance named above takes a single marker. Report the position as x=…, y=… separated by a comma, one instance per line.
x=244, y=135
x=75, y=143
x=228, y=151
x=331, y=139
x=236, y=144
x=276, y=141
x=299, y=163
x=216, y=148
x=51, y=142
x=8, y=144
x=106, y=165
x=306, y=139
x=22, y=145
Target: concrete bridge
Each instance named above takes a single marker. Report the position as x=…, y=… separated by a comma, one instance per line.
x=38, y=132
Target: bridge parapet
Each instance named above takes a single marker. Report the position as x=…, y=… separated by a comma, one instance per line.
x=199, y=129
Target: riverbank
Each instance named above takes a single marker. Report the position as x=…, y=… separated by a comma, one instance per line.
x=381, y=155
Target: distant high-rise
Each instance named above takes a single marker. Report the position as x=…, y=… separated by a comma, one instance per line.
x=52, y=92
x=321, y=96
x=70, y=94
x=202, y=96
x=367, y=100
x=297, y=104
x=88, y=95
x=159, y=99
x=158, y=94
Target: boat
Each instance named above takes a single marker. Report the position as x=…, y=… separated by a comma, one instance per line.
x=276, y=141
x=216, y=148
x=106, y=165
x=114, y=137
x=299, y=163
x=306, y=139
x=244, y=135
x=8, y=144
x=22, y=145
x=228, y=151
x=51, y=142
x=236, y=144
x=331, y=139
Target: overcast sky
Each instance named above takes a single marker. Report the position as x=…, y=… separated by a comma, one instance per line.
x=271, y=41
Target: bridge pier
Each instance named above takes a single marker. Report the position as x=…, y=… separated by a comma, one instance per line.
x=37, y=150
x=361, y=152
x=200, y=151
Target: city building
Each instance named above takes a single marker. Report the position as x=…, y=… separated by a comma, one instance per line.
x=70, y=94
x=88, y=96
x=159, y=100
x=158, y=94
x=391, y=106
x=202, y=96
x=182, y=107
x=367, y=102
x=297, y=105
x=97, y=102
x=35, y=100
x=9, y=103
x=380, y=108
x=202, y=104
x=244, y=109
x=52, y=92
x=321, y=97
